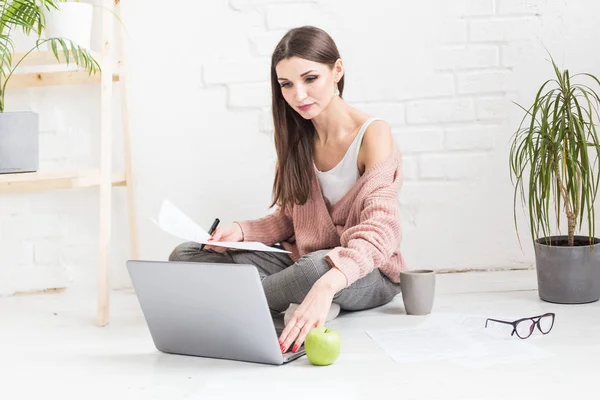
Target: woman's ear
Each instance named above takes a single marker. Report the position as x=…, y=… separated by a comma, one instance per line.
x=338, y=70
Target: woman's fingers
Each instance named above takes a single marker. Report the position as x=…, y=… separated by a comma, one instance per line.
x=217, y=249
x=220, y=249
x=294, y=329
x=302, y=335
x=226, y=233
x=286, y=332
x=216, y=236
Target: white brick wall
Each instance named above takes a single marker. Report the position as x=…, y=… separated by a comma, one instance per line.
x=264, y=43
x=468, y=8
x=455, y=31
x=480, y=137
x=452, y=166
x=250, y=95
x=284, y=16
x=416, y=140
x=504, y=29
x=517, y=7
x=222, y=72
x=475, y=82
x=439, y=111
x=468, y=56
x=443, y=74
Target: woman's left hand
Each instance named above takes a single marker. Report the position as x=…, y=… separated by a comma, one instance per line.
x=292, y=248
x=312, y=312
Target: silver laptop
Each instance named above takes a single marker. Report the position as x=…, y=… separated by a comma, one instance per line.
x=208, y=310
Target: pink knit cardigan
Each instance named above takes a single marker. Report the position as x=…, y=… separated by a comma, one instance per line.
x=362, y=229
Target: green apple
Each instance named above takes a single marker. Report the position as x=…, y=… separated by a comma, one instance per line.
x=322, y=345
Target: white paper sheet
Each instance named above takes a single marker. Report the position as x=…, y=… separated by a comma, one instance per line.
x=172, y=220
x=455, y=338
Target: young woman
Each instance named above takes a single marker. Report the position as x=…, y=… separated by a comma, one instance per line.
x=336, y=184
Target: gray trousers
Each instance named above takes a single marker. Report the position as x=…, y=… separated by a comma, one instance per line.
x=285, y=281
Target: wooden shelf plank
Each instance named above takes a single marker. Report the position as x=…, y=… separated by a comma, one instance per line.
x=46, y=58
x=54, y=78
x=39, y=77
x=40, y=181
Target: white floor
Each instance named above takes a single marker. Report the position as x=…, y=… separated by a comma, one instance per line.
x=50, y=348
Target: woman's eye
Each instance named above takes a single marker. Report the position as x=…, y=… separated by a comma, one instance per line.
x=308, y=80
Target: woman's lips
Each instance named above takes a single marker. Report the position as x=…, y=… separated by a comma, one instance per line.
x=305, y=107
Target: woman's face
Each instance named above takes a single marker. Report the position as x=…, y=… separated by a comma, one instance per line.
x=307, y=86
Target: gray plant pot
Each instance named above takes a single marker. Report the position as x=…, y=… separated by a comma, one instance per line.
x=19, y=142
x=568, y=274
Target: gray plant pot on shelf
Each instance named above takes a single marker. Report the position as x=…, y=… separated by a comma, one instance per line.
x=19, y=142
x=568, y=274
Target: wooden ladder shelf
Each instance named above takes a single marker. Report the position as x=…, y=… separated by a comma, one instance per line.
x=103, y=177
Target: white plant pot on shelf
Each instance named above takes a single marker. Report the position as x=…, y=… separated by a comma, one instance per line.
x=71, y=21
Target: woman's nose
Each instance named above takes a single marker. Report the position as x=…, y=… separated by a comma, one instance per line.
x=300, y=93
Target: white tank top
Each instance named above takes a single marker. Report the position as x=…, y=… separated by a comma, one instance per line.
x=336, y=182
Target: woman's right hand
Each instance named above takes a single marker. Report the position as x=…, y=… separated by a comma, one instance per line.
x=225, y=233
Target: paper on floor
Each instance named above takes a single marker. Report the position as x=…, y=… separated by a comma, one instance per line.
x=455, y=338
x=172, y=220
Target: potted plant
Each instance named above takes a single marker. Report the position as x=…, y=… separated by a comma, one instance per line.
x=70, y=20
x=555, y=152
x=19, y=131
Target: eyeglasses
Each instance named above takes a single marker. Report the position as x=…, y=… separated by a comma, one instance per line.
x=524, y=327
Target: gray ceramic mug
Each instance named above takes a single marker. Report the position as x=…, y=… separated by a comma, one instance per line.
x=418, y=290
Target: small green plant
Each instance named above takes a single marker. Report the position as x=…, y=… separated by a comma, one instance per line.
x=558, y=143
x=28, y=15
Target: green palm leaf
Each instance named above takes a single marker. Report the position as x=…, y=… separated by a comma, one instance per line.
x=28, y=16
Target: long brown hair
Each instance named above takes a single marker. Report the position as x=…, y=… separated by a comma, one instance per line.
x=294, y=135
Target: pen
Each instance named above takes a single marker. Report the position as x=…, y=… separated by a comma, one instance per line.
x=211, y=230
